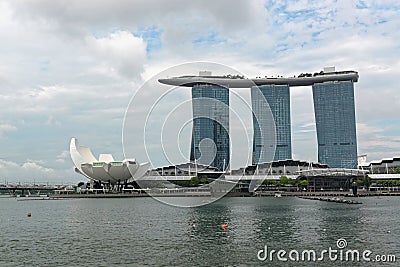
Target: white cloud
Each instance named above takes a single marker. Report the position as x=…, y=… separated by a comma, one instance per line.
x=120, y=52
x=53, y=121
x=36, y=171
x=4, y=164
x=27, y=170
x=62, y=156
x=376, y=142
x=5, y=128
x=36, y=161
x=307, y=125
x=33, y=166
x=69, y=72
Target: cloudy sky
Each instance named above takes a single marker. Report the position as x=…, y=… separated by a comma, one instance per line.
x=69, y=68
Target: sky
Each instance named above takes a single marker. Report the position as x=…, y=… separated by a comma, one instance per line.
x=70, y=68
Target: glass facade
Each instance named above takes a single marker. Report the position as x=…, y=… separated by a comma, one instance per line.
x=210, y=136
x=271, y=123
x=336, y=125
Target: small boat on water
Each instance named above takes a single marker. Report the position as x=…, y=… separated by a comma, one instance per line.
x=278, y=195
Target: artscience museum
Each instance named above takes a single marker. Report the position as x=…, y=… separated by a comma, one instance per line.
x=105, y=170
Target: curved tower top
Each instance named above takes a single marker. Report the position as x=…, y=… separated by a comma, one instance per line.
x=237, y=81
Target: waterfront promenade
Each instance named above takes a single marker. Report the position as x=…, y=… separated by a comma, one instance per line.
x=23, y=189
x=65, y=192
x=204, y=193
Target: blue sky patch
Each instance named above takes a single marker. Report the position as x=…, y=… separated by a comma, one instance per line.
x=152, y=36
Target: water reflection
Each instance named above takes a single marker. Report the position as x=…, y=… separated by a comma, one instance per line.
x=207, y=238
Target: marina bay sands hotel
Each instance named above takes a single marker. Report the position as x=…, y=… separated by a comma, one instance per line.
x=334, y=110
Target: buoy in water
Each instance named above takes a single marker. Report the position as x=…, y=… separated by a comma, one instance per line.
x=29, y=214
x=224, y=226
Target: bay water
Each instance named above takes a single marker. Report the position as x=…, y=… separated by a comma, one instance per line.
x=145, y=232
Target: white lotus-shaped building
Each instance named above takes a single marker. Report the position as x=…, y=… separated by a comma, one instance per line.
x=105, y=169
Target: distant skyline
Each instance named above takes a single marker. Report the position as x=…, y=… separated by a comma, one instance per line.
x=69, y=68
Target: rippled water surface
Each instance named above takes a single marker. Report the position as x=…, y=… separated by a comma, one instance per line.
x=144, y=232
